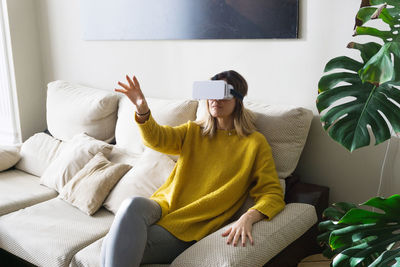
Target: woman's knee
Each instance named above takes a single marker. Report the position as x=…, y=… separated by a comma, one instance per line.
x=134, y=204
x=140, y=206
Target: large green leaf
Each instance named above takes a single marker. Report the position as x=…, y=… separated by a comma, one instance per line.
x=384, y=35
x=381, y=2
x=348, y=123
x=344, y=63
x=334, y=214
x=329, y=81
x=367, y=50
x=379, y=69
x=364, y=95
x=366, y=14
x=362, y=237
x=388, y=257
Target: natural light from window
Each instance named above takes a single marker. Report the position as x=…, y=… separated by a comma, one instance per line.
x=9, y=126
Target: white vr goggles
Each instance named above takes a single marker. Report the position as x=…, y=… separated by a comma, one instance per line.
x=218, y=89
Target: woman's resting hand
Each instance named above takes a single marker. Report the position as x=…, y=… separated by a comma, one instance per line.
x=241, y=229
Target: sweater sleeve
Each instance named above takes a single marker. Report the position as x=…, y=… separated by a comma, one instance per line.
x=165, y=139
x=267, y=191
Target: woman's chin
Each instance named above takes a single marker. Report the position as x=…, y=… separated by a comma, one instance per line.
x=215, y=114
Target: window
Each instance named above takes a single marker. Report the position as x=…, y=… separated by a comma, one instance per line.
x=10, y=132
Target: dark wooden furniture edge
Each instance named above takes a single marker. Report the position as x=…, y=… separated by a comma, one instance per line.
x=10, y=260
x=306, y=245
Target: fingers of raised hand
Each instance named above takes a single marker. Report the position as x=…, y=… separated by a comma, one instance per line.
x=133, y=83
x=120, y=90
x=130, y=82
x=136, y=81
x=125, y=86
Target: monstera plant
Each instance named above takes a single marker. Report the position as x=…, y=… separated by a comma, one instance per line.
x=369, y=91
x=361, y=237
x=355, y=96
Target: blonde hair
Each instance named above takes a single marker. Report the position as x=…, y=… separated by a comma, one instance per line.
x=243, y=119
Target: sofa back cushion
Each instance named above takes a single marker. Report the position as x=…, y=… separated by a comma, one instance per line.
x=73, y=109
x=165, y=112
x=285, y=128
x=37, y=152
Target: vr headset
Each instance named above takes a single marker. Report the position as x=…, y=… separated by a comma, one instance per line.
x=218, y=89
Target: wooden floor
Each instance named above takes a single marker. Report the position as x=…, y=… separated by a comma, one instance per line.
x=316, y=260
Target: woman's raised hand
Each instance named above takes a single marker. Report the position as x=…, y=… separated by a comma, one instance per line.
x=134, y=93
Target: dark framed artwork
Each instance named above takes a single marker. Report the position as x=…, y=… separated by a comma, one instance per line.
x=189, y=19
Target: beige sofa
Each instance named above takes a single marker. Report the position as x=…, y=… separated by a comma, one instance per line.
x=40, y=227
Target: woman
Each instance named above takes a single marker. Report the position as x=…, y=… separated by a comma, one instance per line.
x=221, y=159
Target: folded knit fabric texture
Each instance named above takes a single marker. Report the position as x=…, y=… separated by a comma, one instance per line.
x=74, y=155
x=9, y=156
x=91, y=185
x=37, y=153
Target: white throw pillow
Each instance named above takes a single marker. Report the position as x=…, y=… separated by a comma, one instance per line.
x=148, y=174
x=165, y=112
x=285, y=128
x=73, y=109
x=75, y=154
x=37, y=152
x=9, y=156
x=91, y=185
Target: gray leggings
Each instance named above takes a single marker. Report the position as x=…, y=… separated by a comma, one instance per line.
x=134, y=239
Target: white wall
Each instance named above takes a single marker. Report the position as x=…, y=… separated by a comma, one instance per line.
x=278, y=71
x=26, y=57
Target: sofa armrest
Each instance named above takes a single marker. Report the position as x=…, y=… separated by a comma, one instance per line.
x=270, y=237
x=312, y=194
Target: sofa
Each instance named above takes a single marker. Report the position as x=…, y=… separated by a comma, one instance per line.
x=60, y=189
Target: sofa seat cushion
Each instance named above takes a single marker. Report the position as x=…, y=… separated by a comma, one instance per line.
x=19, y=190
x=270, y=237
x=52, y=232
x=90, y=257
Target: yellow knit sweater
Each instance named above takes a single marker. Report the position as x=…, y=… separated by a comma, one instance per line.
x=211, y=178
